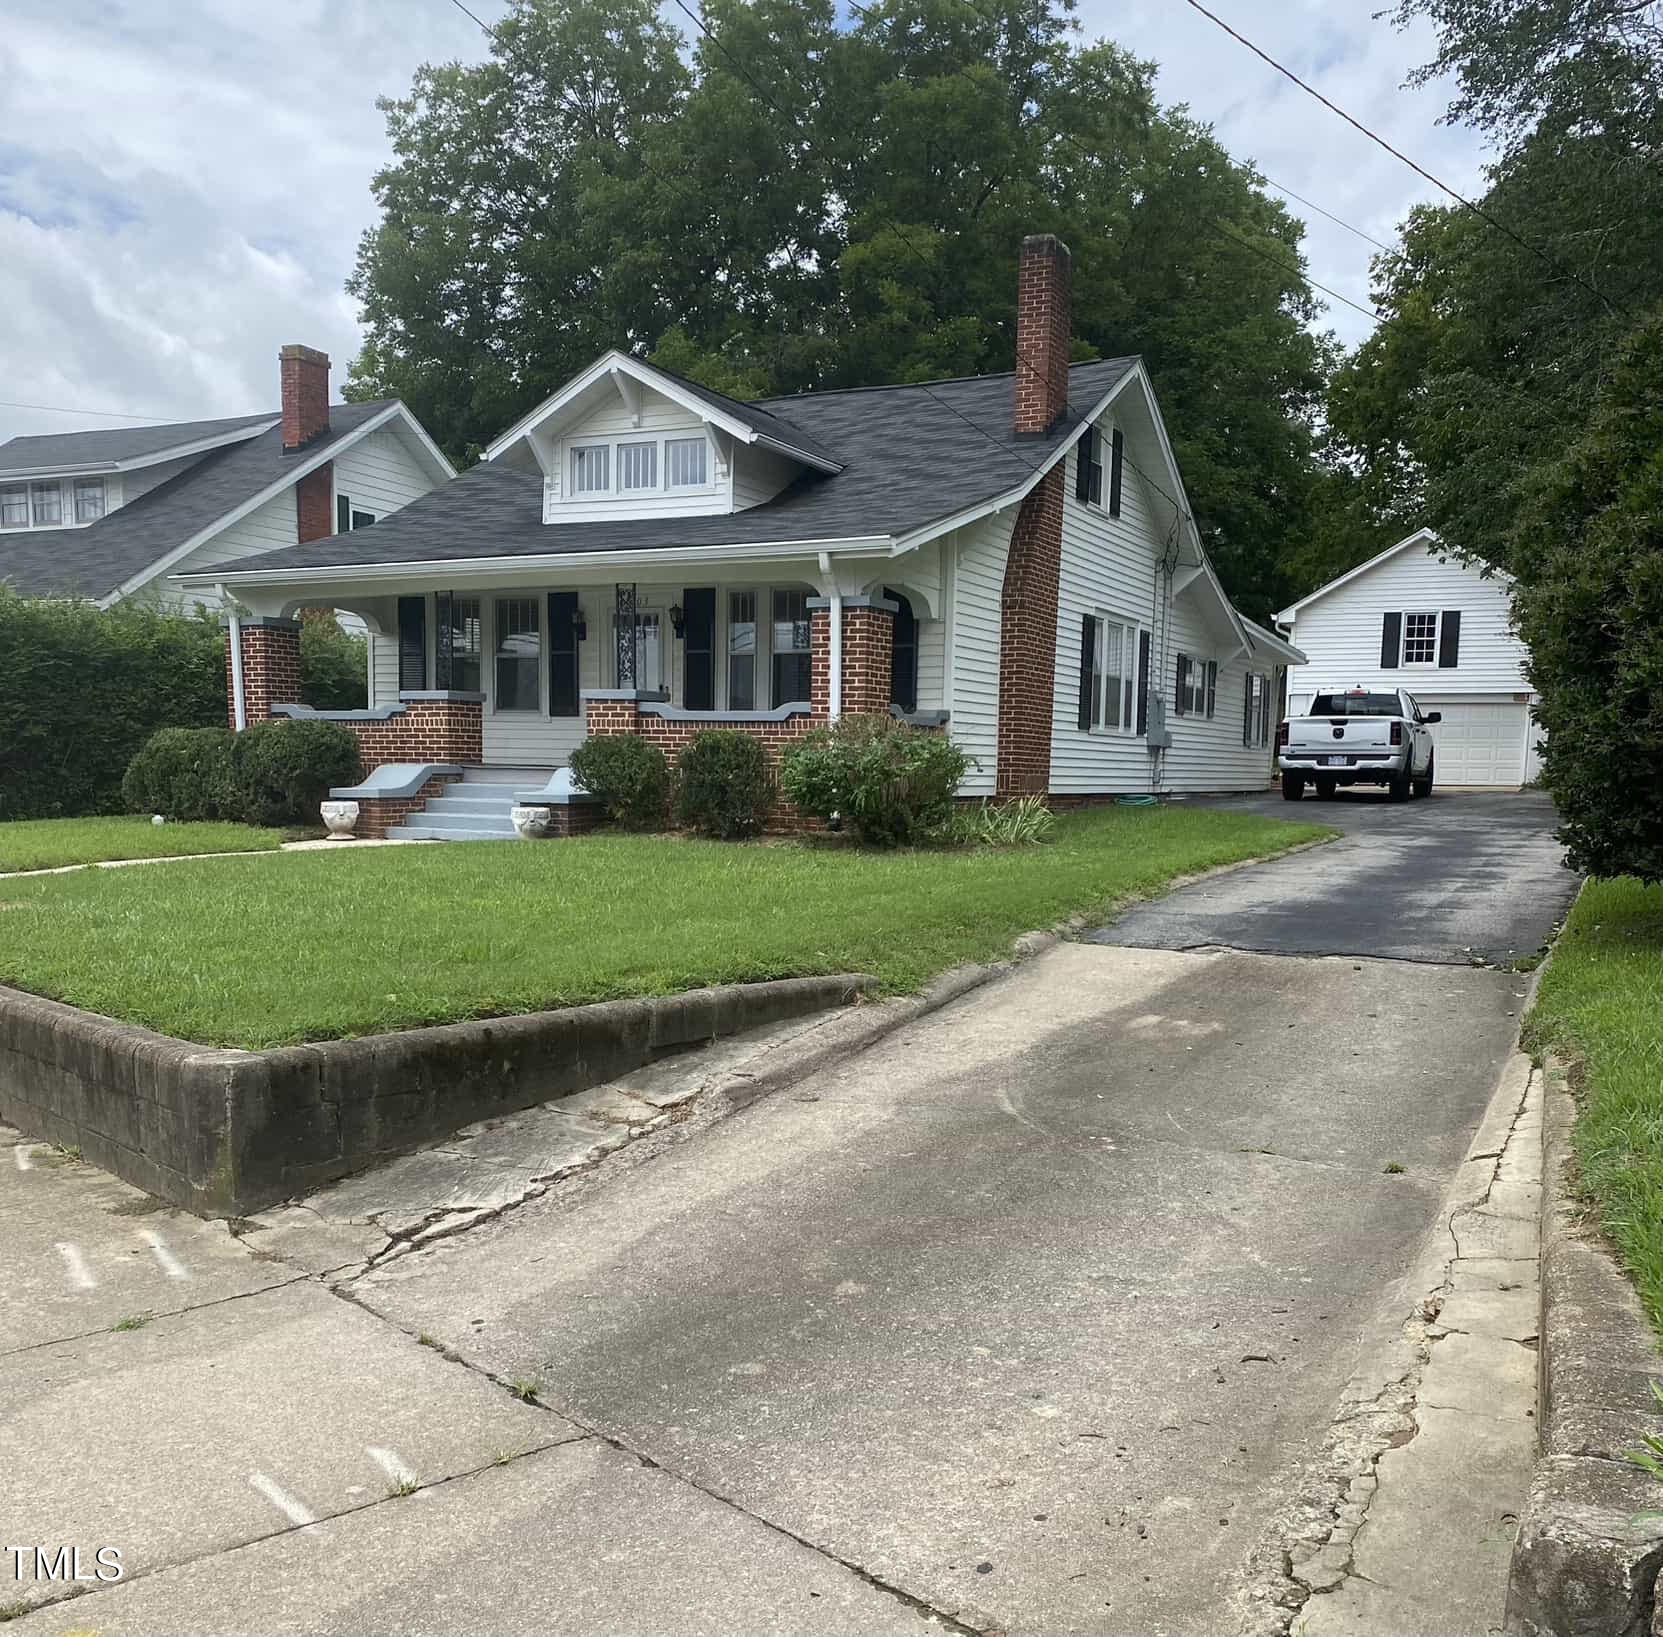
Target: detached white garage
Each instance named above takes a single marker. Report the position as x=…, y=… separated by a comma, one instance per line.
x=1417, y=618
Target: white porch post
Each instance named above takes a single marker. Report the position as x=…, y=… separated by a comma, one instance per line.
x=239, y=704
x=835, y=660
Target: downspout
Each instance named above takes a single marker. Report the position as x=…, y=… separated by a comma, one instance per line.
x=834, y=660
x=239, y=707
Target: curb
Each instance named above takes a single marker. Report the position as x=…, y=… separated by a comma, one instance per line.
x=1582, y=1567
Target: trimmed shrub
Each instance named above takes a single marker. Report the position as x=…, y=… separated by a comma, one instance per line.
x=627, y=775
x=281, y=771
x=183, y=773
x=723, y=786
x=891, y=784
x=334, y=666
x=81, y=691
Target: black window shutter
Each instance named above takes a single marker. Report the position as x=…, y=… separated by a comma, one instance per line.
x=1391, y=641
x=1212, y=686
x=698, y=648
x=1117, y=446
x=1088, y=659
x=343, y=514
x=1449, y=640
x=412, y=643
x=903, y=658
x=1143, y=682
x=563, y=654
x=1083, y=460
x=1180, y=687
x=444, y=638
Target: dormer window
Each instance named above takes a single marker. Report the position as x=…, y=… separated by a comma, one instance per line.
x=48, y=502
x=89, y=499
x=591, y=469
x=637, y=467
x=686, y=462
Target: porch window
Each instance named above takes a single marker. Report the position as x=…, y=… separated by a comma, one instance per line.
x=792, y=669
x=649, y=653
x=518, y=646
x=686, y=462
x=466, y=644
x=14, y=507
x=48, y=503
x=591, y=469
x=89, y=499
x=742, y=651
x=637, y=466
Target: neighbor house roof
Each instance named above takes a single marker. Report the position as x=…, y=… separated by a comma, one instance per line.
x=124, y=446
x=910, y=456
x=1428, y=539
x=98, y=560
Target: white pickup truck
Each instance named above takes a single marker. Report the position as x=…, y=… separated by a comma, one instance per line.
x=1357, y=736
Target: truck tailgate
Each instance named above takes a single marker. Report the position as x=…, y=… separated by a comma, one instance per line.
x=1318, y=735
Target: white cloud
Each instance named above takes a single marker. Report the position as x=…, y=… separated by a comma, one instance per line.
x=182, y=187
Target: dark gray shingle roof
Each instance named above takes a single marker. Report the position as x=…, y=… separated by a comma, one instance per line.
x=45, y=451
x=755, y=414
x=96, y=560
x=912, y=455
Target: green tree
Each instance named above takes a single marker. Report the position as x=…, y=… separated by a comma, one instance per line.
x=799, y=204
x=1589, y=604
x=334, y=665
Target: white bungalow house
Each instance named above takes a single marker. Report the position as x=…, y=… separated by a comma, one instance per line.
x=1418, y=617
x=108, y=515
x=1010, y=558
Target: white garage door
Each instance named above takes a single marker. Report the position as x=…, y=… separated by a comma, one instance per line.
x=1479, y=744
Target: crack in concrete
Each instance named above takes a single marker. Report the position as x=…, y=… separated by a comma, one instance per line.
x=1310, y=1550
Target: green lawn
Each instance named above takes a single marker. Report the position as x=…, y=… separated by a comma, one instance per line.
x=310, y=946
x=1602, y=997
x=44, y=844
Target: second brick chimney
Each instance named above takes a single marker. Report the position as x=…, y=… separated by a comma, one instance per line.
x=305, y=377
x=1044, y=333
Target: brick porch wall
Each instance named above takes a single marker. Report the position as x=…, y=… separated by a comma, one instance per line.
x=271, y=668
x=426, y=730
x=1028, y=641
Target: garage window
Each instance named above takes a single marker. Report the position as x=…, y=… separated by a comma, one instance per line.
x=1420, y=639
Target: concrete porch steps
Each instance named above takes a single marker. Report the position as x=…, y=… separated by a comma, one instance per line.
x=476, y=809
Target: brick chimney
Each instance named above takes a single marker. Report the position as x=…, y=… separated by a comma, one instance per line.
x=305, y=377
x=1043, y=332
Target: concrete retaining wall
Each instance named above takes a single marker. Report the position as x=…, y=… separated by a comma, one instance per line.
x=1586, y=1560
x=225, y=1133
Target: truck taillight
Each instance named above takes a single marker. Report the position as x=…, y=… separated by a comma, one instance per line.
x=1397, y=733
x=1282, y=736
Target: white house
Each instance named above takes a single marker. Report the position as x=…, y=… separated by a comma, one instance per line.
x=1010, y=558
x=1417, y=617
x=115, y=514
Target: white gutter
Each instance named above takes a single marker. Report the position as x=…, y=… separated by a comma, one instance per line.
x=239, y=708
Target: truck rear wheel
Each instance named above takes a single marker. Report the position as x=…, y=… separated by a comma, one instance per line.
x=1293, y=787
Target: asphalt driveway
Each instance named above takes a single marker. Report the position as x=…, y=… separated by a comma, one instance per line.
x=1460, y=877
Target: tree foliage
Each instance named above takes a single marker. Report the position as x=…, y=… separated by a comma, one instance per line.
x=802, y=202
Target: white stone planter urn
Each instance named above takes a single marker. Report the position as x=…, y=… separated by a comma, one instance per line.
x=339, y=818
x=530, y=822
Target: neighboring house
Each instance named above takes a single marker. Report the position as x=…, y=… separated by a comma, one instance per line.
x=110, y=515
x=1011, y=558
x=1417, y=617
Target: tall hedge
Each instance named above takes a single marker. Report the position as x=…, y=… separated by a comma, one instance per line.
x=81, y=691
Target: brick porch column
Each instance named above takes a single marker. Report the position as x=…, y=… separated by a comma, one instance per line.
x=271, y=668
x=868, y=654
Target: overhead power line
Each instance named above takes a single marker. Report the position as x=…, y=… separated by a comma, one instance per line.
x=104, y=414
x=1339, y=221
x=1420, y=170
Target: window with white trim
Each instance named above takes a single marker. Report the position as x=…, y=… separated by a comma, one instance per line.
x=1255, y=732
x=1114, y=675
x=89, y=499
x=742, y=654
x=1420, y=639
x=637, y=466
x=591, y=469
x=686, y=463
x=14, y=506
x=47, y=502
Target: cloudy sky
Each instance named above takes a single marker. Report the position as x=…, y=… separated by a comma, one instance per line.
x=183, y=182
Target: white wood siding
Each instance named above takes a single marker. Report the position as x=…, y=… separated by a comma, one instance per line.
x=978, y=552
x=267, y=527
x=759, y=475
x=383, y=670
x=1208, y=753
x=1340, y=633
x=380, y=474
